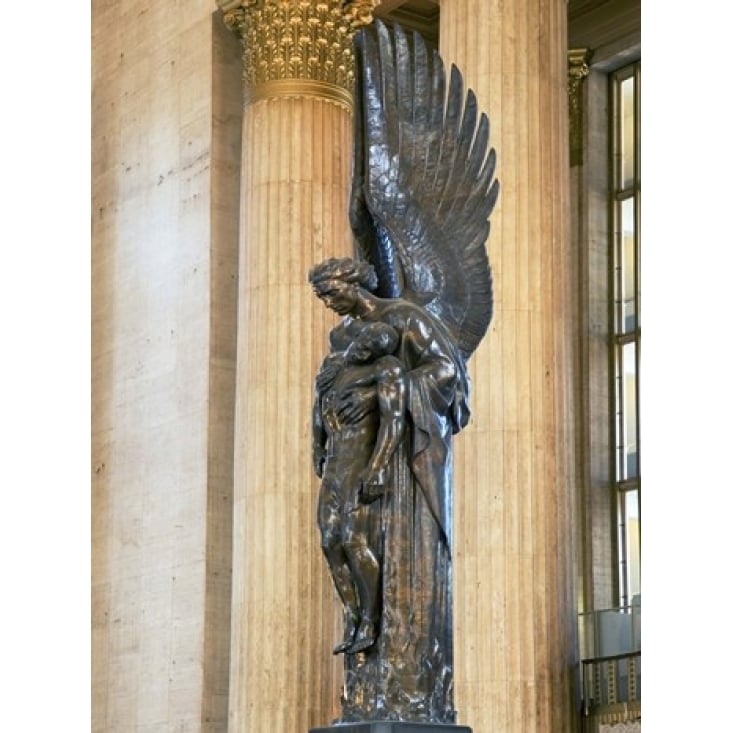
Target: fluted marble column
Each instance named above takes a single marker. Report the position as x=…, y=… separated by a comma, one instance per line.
x=296, y=156
x=514, y=573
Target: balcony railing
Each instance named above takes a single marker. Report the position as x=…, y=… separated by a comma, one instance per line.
x=610, y=650
x=612, y=688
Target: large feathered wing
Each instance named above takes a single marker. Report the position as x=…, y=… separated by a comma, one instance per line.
x=423, y=182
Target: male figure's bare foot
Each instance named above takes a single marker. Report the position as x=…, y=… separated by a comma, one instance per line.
x=365, y=637
x=350, y=626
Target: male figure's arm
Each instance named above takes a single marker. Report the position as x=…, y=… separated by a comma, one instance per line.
x=391, y=397
x=329, y=370
x=319, y=437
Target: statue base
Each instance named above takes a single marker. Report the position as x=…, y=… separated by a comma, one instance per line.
x=390, y=726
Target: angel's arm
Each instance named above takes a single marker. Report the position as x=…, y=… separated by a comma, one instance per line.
x=432, y=360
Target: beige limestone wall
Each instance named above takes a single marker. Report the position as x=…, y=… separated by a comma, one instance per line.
x=515, y=496
x=163, y=278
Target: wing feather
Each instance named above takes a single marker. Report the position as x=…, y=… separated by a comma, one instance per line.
x=424, y=184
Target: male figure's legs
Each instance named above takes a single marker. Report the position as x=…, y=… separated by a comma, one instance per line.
x=337, y=505
x=363, y=559
x=330, y=513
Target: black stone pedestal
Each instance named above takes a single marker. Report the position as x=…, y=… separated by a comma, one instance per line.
x=389, y=726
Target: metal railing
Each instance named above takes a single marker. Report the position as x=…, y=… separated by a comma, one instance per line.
x=610, y=650
x=612, y=684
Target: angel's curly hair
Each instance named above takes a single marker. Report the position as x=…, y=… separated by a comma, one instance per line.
x=345, y=269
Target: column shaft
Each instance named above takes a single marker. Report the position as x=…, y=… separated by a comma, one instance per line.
x=296, y=160
x=514, y=587
x=296, y=153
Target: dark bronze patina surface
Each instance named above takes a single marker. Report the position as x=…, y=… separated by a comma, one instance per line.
x=393, y=389
x=388, y=727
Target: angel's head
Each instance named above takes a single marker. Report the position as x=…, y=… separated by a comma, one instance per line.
x=339, y=282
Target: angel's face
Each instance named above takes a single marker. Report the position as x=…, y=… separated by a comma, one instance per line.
x=339, y=296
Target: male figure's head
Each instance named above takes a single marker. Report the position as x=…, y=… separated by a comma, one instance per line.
x=372, y=341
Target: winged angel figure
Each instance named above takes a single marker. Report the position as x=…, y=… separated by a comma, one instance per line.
x=387, y=406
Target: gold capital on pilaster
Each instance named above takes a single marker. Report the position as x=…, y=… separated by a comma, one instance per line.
x=297, y=47
x=578, y=69
x=359, y=12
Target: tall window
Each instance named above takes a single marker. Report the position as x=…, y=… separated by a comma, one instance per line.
x=626, y=321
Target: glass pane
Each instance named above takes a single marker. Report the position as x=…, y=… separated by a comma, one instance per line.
x=630, y=438
x=628, y=271
x=627, y=132
x=633, y=543
x=619, y=431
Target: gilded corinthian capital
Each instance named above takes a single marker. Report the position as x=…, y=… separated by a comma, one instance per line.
x=297, y=47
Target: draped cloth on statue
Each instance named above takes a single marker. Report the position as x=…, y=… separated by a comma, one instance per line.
x=408, y=675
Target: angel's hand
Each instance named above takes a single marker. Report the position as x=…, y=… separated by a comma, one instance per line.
x=355, y=406
x=330, y=368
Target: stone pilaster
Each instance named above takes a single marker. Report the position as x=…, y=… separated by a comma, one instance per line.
x=577, y=71
x=515, y=609
x=296, y=157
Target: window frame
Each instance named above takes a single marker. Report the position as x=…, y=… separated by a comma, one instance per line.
x=623, y=482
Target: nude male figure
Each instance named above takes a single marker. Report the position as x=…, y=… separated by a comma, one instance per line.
x=358, y=421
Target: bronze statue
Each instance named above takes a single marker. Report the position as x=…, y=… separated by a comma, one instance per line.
x=422, y=192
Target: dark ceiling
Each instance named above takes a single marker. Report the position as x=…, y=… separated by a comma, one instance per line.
x=600, y=25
